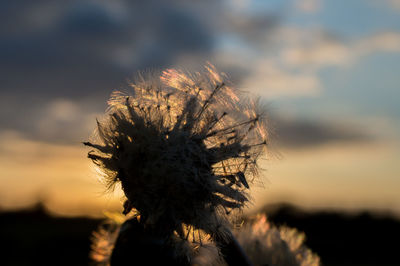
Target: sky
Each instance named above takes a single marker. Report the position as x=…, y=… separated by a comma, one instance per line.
x=328, y=72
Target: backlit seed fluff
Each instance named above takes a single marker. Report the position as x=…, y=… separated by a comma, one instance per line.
x=184, y=148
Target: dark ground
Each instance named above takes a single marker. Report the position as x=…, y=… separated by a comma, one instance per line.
x=33, y=237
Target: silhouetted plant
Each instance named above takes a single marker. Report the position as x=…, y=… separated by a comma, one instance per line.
x=184, y=148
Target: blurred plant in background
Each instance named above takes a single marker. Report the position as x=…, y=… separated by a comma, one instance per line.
x=103, y=240
x=264, y=244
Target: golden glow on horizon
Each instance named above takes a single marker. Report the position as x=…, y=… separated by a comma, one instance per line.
x=61, y=175
x=336, y=175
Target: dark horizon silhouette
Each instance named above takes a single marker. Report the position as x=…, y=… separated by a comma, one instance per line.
x=33, y=236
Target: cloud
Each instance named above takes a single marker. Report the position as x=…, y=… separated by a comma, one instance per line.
x=321, y=53
x=300, y=133
x=60, y=59
x=395, y=4
x=380, y=42
x=88, y=47
x=64, y=121
x=263, y=75
x=308, y=6
x=318, y=49
x=57, y=120
x=270, y=81
x=252, y=29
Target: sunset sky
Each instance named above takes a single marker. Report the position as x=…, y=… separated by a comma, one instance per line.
x=328, y=72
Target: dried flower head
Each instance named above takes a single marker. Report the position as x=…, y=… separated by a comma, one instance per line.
x=184, y=148
x=266, y=244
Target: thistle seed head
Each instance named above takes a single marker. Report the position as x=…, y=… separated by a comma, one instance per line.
x=184, y=148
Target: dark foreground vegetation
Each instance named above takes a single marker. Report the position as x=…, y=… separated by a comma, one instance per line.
x=343, y=239
x=34, y=237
